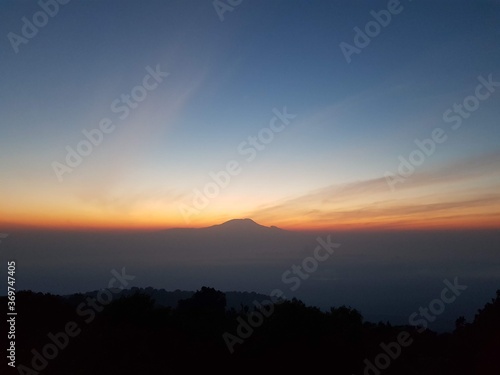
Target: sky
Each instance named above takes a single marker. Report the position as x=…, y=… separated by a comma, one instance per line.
x=282, y=111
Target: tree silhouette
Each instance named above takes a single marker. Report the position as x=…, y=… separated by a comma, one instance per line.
x=134, y=335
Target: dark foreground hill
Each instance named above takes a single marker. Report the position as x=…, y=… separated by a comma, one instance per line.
x=128, y=332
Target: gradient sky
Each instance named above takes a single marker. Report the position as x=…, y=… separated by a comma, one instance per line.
x=324, y=170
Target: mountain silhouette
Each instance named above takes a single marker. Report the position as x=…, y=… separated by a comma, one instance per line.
x=242, y=225
x=241, y=239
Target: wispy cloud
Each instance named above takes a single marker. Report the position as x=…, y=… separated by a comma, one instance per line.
x=466, y=190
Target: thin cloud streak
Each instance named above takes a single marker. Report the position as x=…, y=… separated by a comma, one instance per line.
x=370, y=202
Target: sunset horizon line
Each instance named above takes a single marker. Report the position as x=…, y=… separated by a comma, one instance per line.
x=345, y=227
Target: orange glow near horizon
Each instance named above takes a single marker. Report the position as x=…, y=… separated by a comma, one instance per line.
x=426, y=202
x=473, y=222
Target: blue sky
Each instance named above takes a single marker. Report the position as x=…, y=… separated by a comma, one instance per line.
x=352, y=121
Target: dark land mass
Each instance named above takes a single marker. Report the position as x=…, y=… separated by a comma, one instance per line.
x=150, y=331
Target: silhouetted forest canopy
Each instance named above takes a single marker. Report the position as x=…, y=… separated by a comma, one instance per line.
x=134, y=333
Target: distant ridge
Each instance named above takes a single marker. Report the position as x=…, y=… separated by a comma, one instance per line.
x=240, y=240
x=234, y=225
x=163, y=298
x=245, y=224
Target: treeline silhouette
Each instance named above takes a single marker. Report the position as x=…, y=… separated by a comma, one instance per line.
x=133, y=334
